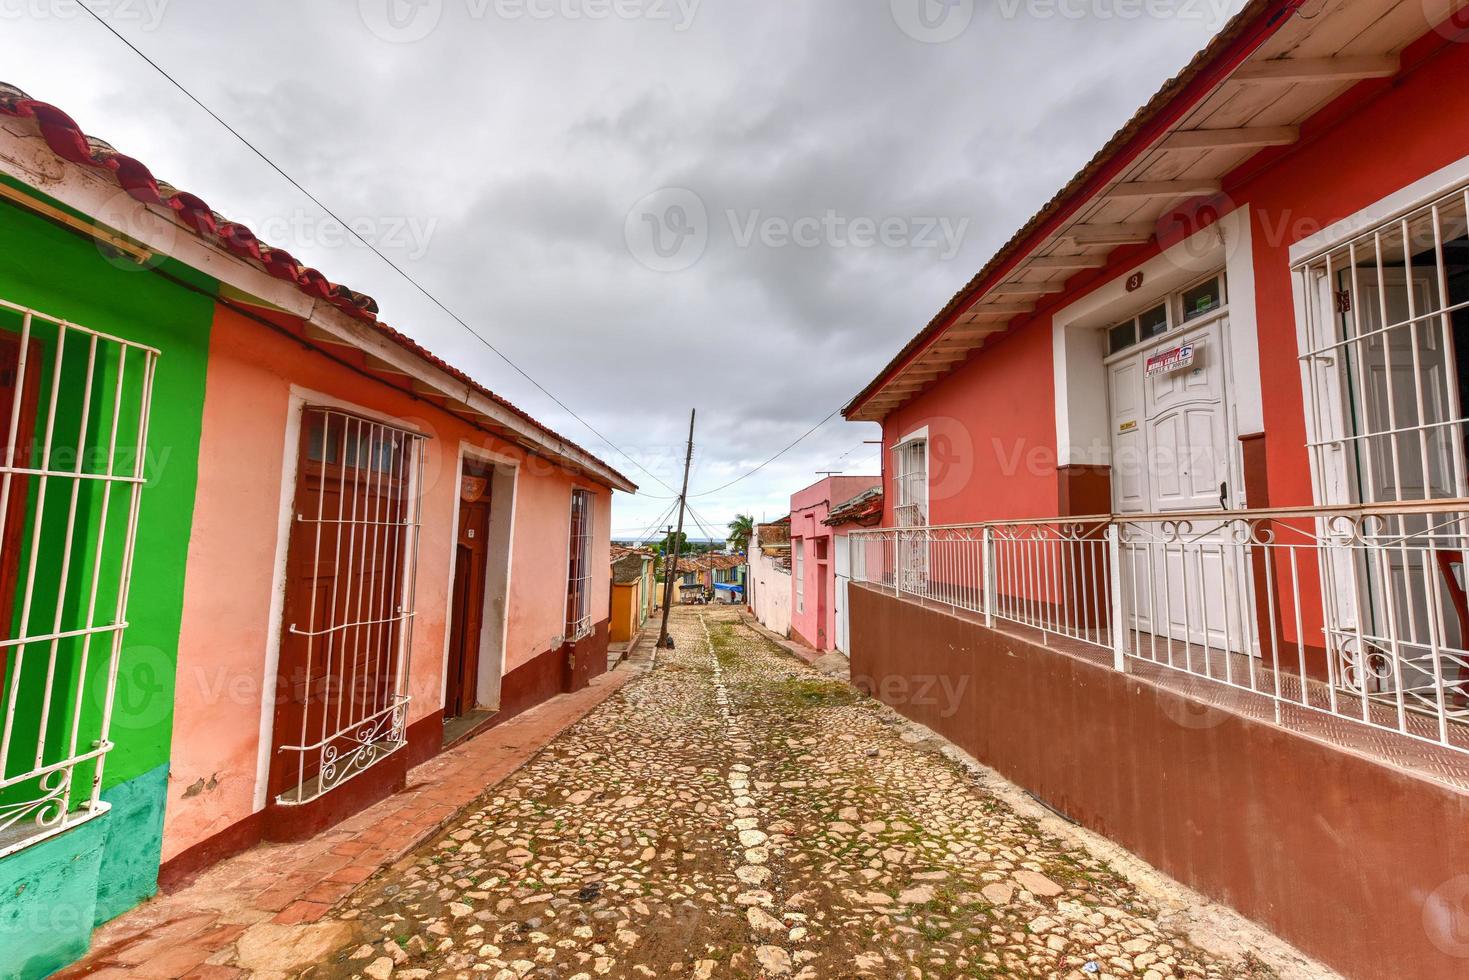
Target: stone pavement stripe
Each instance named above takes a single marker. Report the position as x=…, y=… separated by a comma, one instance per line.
x=172, y=935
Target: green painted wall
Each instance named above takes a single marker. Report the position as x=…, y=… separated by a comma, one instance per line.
x=48, y=901
x=55, y=271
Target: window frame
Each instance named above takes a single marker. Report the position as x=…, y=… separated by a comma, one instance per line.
x=1176, y=317
x=798, y=556
x=579, y=564
x=110, y=460
x=906, y=482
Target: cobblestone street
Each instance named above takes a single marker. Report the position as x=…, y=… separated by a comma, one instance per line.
x=735, y=814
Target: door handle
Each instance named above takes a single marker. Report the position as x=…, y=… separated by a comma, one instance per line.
x=1224, y=496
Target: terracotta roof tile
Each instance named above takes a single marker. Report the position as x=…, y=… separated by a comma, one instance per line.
x=864, y=509
x=66, y=140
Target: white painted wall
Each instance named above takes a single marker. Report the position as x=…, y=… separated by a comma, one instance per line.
x=770, y=590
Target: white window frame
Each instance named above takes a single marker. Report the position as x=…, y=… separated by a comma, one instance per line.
x=100, y=631
x=905, y=482
x=1326, y=416
x=1359, y=604
x=798, y=554
x=579, y=566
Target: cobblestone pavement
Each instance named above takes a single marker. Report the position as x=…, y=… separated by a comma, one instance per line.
x=734, y=814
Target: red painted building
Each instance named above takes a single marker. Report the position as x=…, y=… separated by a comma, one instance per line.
x=1181, y=473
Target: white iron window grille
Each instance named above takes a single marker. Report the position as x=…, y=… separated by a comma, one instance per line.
x=351, y=588
x=579, y=571
x=911, y=510
x=1385, y=341
x=75, y=403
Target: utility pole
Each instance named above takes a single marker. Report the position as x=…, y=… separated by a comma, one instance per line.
x=665, y=642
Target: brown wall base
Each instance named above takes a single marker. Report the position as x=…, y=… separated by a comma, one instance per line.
x=425, y=738
x=183, y=868
x=532, y=682
x=296, y=823
x=1349, y=859
x=587, y=657
x=569, y=667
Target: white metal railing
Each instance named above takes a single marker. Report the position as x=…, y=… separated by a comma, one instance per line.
x=357, y=545
x=76, y=407
x=1361, y=614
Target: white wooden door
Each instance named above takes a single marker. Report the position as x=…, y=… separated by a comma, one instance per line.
x=1172, y=447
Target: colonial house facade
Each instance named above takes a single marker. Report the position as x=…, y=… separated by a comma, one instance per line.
x=1180, y=476
x=633, y=592
x=820, y=559
x=262, y=552
x=768, y=576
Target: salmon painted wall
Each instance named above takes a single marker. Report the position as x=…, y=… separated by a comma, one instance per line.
x=227, y=627
x=992, y=433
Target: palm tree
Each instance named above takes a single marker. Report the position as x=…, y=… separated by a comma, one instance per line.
x=741, y=529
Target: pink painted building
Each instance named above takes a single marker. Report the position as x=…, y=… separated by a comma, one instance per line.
x=819, y=559
x=471, y=562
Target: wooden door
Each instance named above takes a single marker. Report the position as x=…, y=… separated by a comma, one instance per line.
x=16, y=489
x=337, y=704
x=466, y=618
x=1171, y=453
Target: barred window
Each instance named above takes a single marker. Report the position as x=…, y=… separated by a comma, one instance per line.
x=342, y=705
x=75, y=406
x=579, y=572
x=1385, y=357
x=911, y=483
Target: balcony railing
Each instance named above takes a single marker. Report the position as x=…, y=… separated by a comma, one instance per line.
x=1356, y=613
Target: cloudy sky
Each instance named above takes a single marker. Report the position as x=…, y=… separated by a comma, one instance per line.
x=740, y=206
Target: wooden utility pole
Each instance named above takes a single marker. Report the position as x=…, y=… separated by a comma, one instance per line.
x=670, y=569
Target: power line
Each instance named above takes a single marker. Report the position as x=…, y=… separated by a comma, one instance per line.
x=808, y=433
x=374, y=249
x=647, y=533
x=709, y=535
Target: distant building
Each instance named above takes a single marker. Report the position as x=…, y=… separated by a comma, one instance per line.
x=769, y=575
x=820, y=558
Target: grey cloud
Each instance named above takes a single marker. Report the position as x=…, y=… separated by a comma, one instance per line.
x=524, y=145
